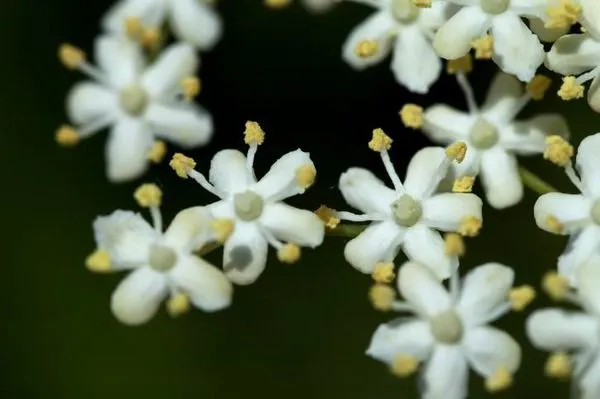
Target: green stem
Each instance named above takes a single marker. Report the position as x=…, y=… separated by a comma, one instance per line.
x=534, y=182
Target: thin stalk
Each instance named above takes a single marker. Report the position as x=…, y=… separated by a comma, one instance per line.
x=534, y=182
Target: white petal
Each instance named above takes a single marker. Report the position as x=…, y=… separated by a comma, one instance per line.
x=588, y=163
x=580, y=248
x=447, y=211
x=378, y=242
x=414, y=63
x=150, y=12
x=423, y=173
x=444, y=124
x=574, y=54
x=528, y=137
x=376, y=27
x=196, y=22
x=138, y=296
x=558, y=330
x=412, y=337
x=189, y=229
x=426, y=246
x=488, y=349
x=447, y=374
x=549, y=35
x=593, y=93
x=590, y=380
x=364, y=191
x=228, y=172
x=569, y=209
x=453, y=39
x=88, y=102
x=422, y=290
x=531, y=8
x=245, y=254
x=294, y=225
x=516, y=49
x=120, y=58
x=500, y=178
x=207, y=286
x=502, y=98
x=187, y=126
x=484, y=290
x=280, y=181
x=164, y=76
x=590, y=17
x=126, y=236
x=435, y=16
x=589, y=281
x=127, y=149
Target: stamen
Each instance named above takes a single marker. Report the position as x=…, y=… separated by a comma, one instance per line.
x=484, y=47
x=72, y=57
x=454, y=245
x=366, y=48
x=558, y=150
x=404, y=365
x=305, y=176
x=353, y=217
x=151, y=38
x=422, y=3
x=555, y=285
x=178, y=304
x=383, y=272
x=191, y=87
x=67, y=136
x=463, y=64
x=98, y=261
x=520, y=297
x=412, y=116
x=277, y=4
x=133, y=28
x=222, y=229
x=157, y=152
x=328, y=216
x=463, y=184
x=500, y=380
x=559, y=365
x=289, y=253
x=570, y=89
x=457, y=151
x=581, y=79
x=563, y=15
x=554, y=225
x=382, y=297
x=253, y=135
x=470, y=226
x=570, y=171
x=182, y=165
x=148, y=195
x=537, y=87
x=380, y=141
x=463, y=82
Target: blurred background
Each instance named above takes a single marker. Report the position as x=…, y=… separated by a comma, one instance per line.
x=300, y=331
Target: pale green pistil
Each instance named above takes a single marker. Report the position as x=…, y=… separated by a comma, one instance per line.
x=248, y=205
x=483, y=134
x=404, y=11
x=446, y=327
x=406, y=211
x=134, y=100
x=494, y=7
x=162, y=258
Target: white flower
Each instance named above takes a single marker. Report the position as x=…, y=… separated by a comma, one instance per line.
x=408, y=215
x=577, y=215
x=164, y=264
x=516, y=50
x=400, y=27
x=138, y=103
x=193, y=21
x=493, y=136
x=449, y=331
x=256, y=207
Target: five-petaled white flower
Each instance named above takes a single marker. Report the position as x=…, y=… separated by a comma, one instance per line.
x=577, y=215
x=138, y=103
x=449, y=331
x=400, y=27
x=193, y=21
x=408, y=215
x=493, y=136
x=255, y=206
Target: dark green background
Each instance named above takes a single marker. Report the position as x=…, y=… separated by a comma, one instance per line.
x=301, y=330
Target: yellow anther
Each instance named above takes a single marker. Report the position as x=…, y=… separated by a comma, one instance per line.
x=66, y=136
x=404, y=365
x=570, y=89
x=133, y=27
x=253, y=135
x=469, y=226
x=148, y=195
x=412, y=116
x=538, y=86
x=98, y=261
x=182, y=165
x=484, y=47
x=520, y=297
x=380, y=141
x=289, y=253
x=178, y=304
x=305, y=175
x=366, y=48
x=382, y=297
x=383, y=272
x=222, y=229
x=150, y=38
x=563, y=15
x=329, y=216
x=157, y=152
x=277, y=4
x=71, y=56
x=463, y=64
x=558, y=150
x=500, y=380
x=463, y=184
x=457, y=151
x=422, y=3
x=558, y=365
x=555, y=285
x=191, y=87
x=554, y=225
x=454, y=245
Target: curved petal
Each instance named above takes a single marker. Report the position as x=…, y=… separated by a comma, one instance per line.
x=377, y=243
x=528, y=137
x=364, y=191
x=196, y=22
x=189, y=229
x=590, y=17
x=453, y=39
x=588, y=164
x=447, y=373
x=423, y=174
x=435, y=16
x=447, y=211
x=593, y=92
x=589, y=383
x=579, y=249
x=444, y=124
x=207, y=286
x=484, y=290
x=426, y=246
x=127, y=149
x=280, y=181
x=150, y=12
x=422, y=290
x=245, y=254
x=138, y=296
x=378, y=28
x=294, y=225
x=228, y=172
x=516, y=49
x=500, y=178
x=126, y=236
x=558, y=330
x=489, y=349
x=164, y=76
x=121, y=59
x=412, y=337
x=574, y=54
x=549, y=35
x=589, y=281
x=502, y=99
x=571, y=210
x=88, y=102
x=414, y=62
x=187, y=126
